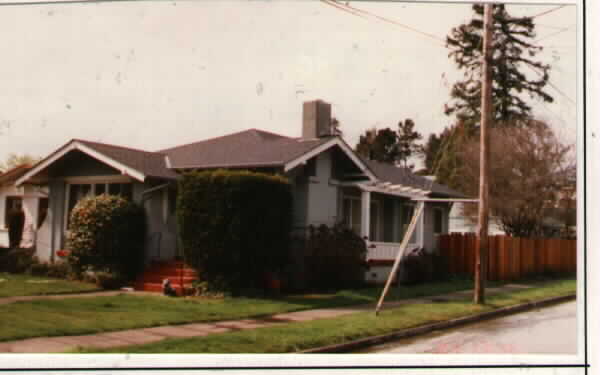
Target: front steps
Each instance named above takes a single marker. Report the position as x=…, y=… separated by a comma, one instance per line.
x=180, y=275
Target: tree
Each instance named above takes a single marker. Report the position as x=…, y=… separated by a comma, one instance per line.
x=441, y=153
x=406, y=142
x=378, y=145
x=389, y=146
x=512, y=68
x=523, y=182
x=14, y=160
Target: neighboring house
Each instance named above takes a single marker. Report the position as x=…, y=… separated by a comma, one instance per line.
x=31, y=198
x=459, y=223
x=330, y=182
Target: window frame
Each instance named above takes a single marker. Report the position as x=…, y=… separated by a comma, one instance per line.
x=92, y=181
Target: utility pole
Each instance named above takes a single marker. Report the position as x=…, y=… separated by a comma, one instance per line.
x=481, y=257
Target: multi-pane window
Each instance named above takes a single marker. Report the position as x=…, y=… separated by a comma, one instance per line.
x=78, y=191
x=351, y=207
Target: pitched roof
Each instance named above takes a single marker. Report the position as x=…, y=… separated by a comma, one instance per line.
x=14, y=173
x=249, y=148
x=402, y=176
x=151, y=164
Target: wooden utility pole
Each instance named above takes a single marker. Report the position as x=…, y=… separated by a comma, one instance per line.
x=481, y=258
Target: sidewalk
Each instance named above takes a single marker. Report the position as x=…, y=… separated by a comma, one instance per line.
x=153, y=334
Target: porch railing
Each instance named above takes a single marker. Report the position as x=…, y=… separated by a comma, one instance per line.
x=386, y=250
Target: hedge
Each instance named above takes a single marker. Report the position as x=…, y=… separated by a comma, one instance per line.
x=335, y=258
x=106, y=234
x=234, y=226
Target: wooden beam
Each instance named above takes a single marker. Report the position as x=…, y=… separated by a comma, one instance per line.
x=401, y=250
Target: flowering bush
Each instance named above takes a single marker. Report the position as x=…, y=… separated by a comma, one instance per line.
x=106, y=233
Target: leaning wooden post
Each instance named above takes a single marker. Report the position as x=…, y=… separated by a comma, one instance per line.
x=407, y=235
x=486, y=110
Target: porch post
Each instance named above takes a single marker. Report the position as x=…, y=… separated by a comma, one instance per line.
x=365, y=217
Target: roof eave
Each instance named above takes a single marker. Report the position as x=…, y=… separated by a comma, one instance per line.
x=77, y=145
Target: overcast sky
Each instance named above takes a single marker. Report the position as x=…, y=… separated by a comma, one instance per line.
x=154, y=74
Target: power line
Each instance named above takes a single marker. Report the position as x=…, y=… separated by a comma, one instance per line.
x=336, y=5
x=548, y=11
x=553, y=34
x=384, y=19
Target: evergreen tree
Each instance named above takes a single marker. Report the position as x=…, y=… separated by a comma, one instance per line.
x=514, y=71
x=389, y=146
x=378, y=145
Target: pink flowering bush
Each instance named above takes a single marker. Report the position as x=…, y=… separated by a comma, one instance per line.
x=106, y=234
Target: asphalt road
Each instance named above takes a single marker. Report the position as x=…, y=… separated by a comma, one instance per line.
x=550, y=330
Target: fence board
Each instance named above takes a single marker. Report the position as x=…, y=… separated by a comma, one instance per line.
x=509, y=258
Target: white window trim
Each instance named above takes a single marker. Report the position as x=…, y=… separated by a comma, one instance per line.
x=357, y=200
x=354, y=199
x=89, y=180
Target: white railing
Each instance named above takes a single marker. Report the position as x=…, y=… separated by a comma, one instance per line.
x=386, y=250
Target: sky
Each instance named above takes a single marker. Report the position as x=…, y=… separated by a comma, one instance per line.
x=156, y=74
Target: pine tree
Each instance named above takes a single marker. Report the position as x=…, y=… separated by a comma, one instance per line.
x=406, y=142
x=389, y=146
x=514, y=71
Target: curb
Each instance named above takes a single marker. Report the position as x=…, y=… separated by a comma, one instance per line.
x=410, y=332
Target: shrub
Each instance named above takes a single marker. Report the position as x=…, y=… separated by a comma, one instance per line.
x=234, y=225
x=336, y=258
x=106, y=233
x=16, y=260
x=108, y=280
x=419, y=266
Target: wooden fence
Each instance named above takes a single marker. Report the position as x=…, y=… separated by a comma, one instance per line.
x=509, y=258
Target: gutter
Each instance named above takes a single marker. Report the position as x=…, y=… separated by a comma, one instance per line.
x=420, y=330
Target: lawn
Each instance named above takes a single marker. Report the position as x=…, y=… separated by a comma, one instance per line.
x=24, y=285
x=100, y=314
x=298, y=336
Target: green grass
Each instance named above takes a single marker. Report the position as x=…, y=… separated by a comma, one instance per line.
x=24, y=285
x=77, y=316
x=299, y=336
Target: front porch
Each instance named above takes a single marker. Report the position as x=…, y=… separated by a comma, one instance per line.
x=382, y=216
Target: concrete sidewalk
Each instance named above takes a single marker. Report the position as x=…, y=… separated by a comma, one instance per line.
x=153, y=334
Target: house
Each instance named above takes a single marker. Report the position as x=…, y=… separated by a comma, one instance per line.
x=331, y=184
x=29, y=198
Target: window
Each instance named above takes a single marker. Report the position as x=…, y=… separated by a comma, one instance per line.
x=438, y=221
x=351, y=213
x=352, y=216
x=75, y=192
x=42, y=211
x=12, y=204
x=408, y=211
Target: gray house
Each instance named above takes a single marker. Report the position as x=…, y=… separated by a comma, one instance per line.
x=331, y=184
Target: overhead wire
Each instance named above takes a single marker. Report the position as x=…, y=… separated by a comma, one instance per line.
x=385, y=19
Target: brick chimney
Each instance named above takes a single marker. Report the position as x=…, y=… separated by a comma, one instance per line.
x=316, y=119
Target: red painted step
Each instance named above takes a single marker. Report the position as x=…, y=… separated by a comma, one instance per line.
x=180, y=275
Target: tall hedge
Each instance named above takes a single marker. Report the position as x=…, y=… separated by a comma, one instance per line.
x=107, y=233
x=234, y=225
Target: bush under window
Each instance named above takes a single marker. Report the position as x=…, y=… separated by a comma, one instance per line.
x=106, y=234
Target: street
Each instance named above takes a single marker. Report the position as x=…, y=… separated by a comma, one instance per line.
x=551, y=330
